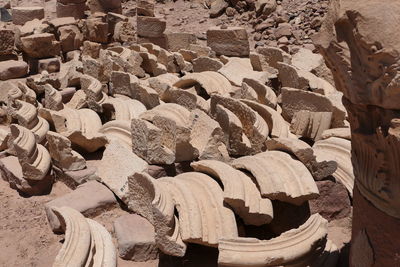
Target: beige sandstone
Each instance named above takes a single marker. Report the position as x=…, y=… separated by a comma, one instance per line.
x=7, y=40
x=86, y=241
x=12, y=69
x=89, y=199
x=133, y=244
x=40, y=45
x=20, y=15
x=117, y=178
x=228, y=42
x=150, y=26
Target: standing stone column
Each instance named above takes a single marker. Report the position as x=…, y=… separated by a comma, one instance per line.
x=361, y=44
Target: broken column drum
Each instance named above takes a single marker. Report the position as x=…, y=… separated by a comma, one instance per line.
x=359, y=43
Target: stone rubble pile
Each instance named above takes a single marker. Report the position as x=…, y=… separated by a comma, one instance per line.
x=280, y=23
x=201, y=141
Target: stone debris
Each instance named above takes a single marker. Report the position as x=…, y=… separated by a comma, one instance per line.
x=86, y=241
x=339, y=150
x=150, y=26
x=231, y=42
x=90, y=199
x=204, y=144
x=12, y=69
x=132, y=244
x=20, y=15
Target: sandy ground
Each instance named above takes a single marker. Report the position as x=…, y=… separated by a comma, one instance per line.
x=25, y=236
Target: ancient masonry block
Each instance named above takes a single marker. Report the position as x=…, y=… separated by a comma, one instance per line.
x=76, y=8
x=86, y=241
x=228, y=42
x=21, y=15
x=134, y=244
x=150, y=26
x=89, y=199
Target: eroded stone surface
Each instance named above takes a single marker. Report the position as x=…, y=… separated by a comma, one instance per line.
x=136, y=238
x=90, y=199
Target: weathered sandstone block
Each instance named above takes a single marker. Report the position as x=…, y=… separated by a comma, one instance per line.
x=136, y=238
x=12, y=69
x=180, y=40
x=117, y=178
x=309, y=124
x=21, y=15
x=145, y=8
x=41, y=45
x=228, y=42
x=62, y=154
x=7, y=40
x=96, y=30
x=90, y=198
x=201, y=64
x=150, y=26
x=70, y=38
x=48, y=64
x=71, y=9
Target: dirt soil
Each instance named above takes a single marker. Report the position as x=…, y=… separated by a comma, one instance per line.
x=25, y=236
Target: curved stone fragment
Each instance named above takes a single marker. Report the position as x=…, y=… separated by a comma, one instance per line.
x=303, y=152
x=103, y=249
x=207, y=136
x=288, y=248
x=4, y=137
x=254, y=126
x=265, y=95
x=186, y=99
x=28, y=94
x=293, y=77
x=162, y=83
x=203, y=219
x=118, y=129
x=76, y=248
x=27, y=116
x=81, y=127
x=276, y=123
x=117, y=108
x=339, y=150
x=174, y=121
x=211, y=82
x=9, y=90
x=237, y=142
x=93, y=89
x=121, y=59
x=148, y=143
x=34, y=158
x=53, y=98
x=62, y=154
x=294, y=100
x=175, y=112
x=328, y=257
x=145, y=94
x=344, y=133
x=236, y=69
x=154, y=202
x=78, y=100
x=151, y=65
x=280, y=177
x=239, y=192
x=310, y=124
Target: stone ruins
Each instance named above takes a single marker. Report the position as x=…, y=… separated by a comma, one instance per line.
x=212, y=144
